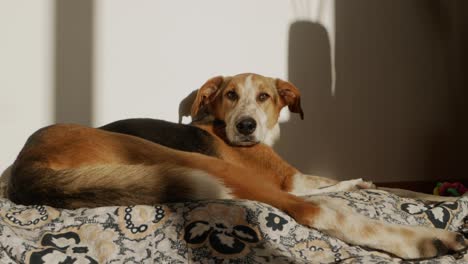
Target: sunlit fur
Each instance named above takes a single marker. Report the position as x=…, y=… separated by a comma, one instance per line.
x=247, y=87
x=248, y=106
x=72, y=166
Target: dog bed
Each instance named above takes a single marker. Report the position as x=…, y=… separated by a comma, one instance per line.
x=219, y=231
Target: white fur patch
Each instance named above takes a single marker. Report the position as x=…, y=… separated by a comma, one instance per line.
x=309, y=184
x=248, y=83
x=247, y=106
x=272, y=135
x=284, y=115
x=207, y=187
x=302, y=185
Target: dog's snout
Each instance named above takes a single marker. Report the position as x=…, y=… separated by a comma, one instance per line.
x=246, y=126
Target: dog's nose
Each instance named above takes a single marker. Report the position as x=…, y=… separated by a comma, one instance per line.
x=246, y=126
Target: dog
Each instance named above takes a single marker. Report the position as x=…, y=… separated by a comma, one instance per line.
x=223, y=156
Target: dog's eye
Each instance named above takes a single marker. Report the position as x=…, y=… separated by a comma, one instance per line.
x=263, y=97
x=231, y=95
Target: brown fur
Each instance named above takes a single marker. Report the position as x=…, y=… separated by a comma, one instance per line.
x=73, y=166
x=67, y=166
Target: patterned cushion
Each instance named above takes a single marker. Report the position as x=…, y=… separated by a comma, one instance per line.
x=221, y=231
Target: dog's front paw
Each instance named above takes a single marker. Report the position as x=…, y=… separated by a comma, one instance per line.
x=366, y=185
x=446, y=244
x=353, y=185
x=432, y=243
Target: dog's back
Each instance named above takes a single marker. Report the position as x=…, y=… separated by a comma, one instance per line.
x=176, y=136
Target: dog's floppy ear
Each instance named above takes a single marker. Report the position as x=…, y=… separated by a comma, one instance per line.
x=290, y=96
x=206, y=94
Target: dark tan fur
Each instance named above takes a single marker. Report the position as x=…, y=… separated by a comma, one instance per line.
x=73, y=166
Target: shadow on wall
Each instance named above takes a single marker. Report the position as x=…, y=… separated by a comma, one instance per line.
x=391, y=117
x=308, y=143
x=399, y=111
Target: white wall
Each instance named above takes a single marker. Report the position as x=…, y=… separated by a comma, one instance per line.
x=151, y=54
x=148, y=56
x=25, y=72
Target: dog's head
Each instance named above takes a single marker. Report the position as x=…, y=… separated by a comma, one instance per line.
x=249, y=104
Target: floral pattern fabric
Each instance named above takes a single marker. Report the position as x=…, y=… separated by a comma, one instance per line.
x=219, y=231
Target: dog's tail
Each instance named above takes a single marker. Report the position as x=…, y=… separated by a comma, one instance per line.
x=113, y=184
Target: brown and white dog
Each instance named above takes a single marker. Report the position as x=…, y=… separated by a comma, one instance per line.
x=145, y=161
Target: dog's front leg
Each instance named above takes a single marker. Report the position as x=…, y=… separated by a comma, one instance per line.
x=407, y=242
x=303, y=184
